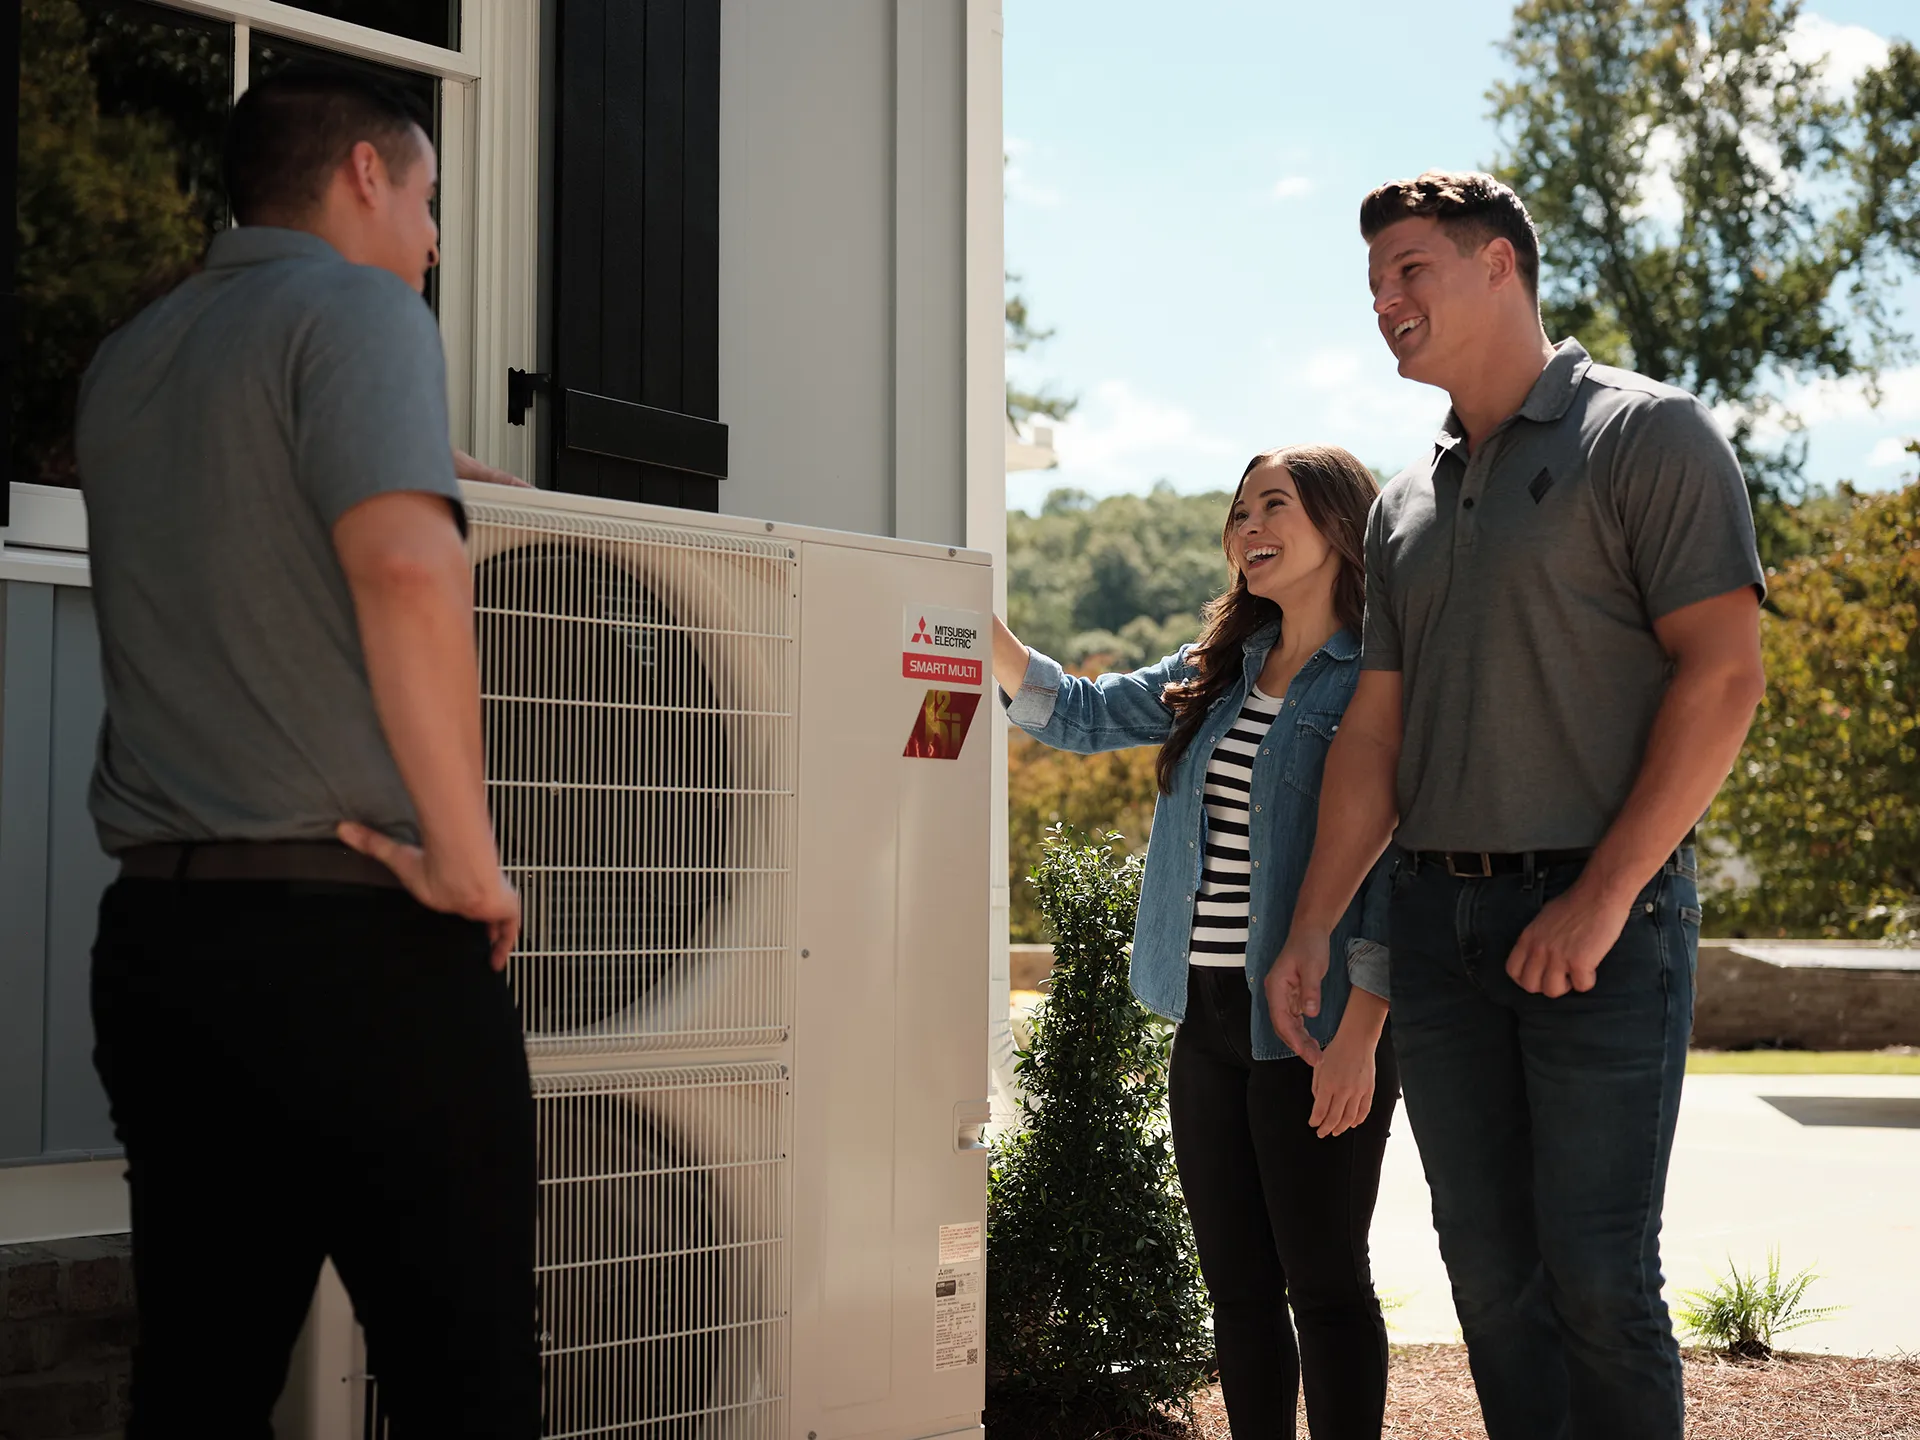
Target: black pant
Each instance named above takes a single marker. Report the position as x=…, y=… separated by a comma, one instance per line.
x=300, y=1071
x=1281, y=1219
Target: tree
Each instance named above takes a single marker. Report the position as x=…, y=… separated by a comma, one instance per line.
x=1100, y=585
x=1081, y=571
x=1786, y=210
x=1110, y=794
x=112, y=206
x=1823, y=807
x=1023, y=405
x=1096, y=1315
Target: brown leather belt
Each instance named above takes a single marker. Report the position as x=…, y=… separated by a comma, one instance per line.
x=324, y=861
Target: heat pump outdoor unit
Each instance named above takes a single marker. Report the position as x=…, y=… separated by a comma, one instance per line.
x=740, y=774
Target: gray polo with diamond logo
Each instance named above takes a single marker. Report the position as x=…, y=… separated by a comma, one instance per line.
x=1516, y=590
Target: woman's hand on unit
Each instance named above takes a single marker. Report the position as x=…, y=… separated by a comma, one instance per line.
x=1342, y=1085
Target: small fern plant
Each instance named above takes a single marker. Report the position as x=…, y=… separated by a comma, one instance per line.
x=1096, y=1317
x=1743, y=1313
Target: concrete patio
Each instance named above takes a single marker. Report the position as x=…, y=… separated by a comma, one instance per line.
x=1837, y=1189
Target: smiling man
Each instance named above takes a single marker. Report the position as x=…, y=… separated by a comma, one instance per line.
x=1561, y=661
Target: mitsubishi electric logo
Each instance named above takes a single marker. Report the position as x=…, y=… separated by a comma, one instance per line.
x=945, y=637
x=944, y=646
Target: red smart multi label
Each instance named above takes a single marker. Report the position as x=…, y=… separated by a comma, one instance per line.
x=944, y=647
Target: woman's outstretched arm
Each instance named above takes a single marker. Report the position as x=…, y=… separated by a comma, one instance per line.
x=1070, y=712
x=1009, y=658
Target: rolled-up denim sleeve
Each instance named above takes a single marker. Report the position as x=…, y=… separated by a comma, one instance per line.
x=1110, y=712
x=1367, y=953
x=1032, y=706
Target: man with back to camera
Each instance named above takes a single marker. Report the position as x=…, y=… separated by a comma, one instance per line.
x=308, y=1045
x=1560, y=664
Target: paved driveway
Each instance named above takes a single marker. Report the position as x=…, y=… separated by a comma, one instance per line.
x=1837, y=1188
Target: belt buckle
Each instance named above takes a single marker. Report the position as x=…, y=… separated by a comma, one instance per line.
x=1485, y=872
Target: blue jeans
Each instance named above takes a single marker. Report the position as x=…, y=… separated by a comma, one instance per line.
x=1545, y=1127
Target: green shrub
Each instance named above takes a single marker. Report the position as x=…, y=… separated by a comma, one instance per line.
x=1096, y=1317
x=1743, y=1313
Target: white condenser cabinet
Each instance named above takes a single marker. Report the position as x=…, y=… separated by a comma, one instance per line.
x=741, y=774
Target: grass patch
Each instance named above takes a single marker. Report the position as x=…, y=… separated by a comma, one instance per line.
x=1801, y=1062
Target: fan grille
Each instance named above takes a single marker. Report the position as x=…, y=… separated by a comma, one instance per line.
x=636, y=689
x=662, y=1253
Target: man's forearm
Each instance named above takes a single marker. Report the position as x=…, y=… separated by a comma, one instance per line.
x=416, y=627
x=1697, y=735
x=1358, y=809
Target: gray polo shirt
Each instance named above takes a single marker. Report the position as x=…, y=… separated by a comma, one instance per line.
x=1516, y=592
x=220, y=435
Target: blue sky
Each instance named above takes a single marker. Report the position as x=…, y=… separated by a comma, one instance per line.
x=1180, y=209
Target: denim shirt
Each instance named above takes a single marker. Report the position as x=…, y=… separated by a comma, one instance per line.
x=1116, y=711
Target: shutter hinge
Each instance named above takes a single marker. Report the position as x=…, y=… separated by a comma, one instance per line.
x=521, y=386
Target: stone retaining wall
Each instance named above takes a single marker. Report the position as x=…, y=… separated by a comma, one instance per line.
x=1744, y=1003
x=1741, y=1003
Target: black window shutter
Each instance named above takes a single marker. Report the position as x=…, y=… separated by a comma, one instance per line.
x=9, y=231
x=636, y=302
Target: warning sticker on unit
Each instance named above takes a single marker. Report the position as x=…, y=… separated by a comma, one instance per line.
x=962, y=1244
x=944, y=647
x=959, y=1297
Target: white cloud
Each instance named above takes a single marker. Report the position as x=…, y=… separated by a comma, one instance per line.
x=1820, y=401
x=1849, y=50
x=1292, y=187
x=1117, y=432
x=1348, y=397
x=1022, y=188
x=1121, y=439
x=1892, y=450
x=1847, y=433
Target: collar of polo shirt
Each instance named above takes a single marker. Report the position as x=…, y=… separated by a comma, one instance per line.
x=1552, y=393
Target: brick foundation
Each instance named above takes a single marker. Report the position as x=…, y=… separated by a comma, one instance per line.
x=66, y=1336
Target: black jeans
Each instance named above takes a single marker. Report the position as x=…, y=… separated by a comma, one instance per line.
x=300, y=1071
x=1281, y=1219
x=1545, y=1127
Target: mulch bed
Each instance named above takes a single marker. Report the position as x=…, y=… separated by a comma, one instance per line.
x=1791, y=1397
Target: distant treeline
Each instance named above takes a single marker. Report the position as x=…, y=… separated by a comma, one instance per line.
x=1117, y=582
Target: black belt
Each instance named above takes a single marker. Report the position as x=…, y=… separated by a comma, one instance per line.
x=324, y=861
x=1482, y=865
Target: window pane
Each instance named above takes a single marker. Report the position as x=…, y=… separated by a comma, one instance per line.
x=270, y=53
x=122, y=107
x=436, y=22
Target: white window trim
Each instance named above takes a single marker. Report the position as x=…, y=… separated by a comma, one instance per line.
x=503, y=221
x=324, y=30
x=489, y=192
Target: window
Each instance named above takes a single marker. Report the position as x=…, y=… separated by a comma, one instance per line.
x=432, y=22
x=122, y=108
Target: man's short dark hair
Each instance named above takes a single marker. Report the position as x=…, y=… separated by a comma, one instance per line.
x=288, y=134
x=1472, y=208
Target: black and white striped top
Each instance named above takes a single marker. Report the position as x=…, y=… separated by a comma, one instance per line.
x=1220, y=907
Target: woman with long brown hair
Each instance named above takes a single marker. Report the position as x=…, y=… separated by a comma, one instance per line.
x=1279, y=1154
